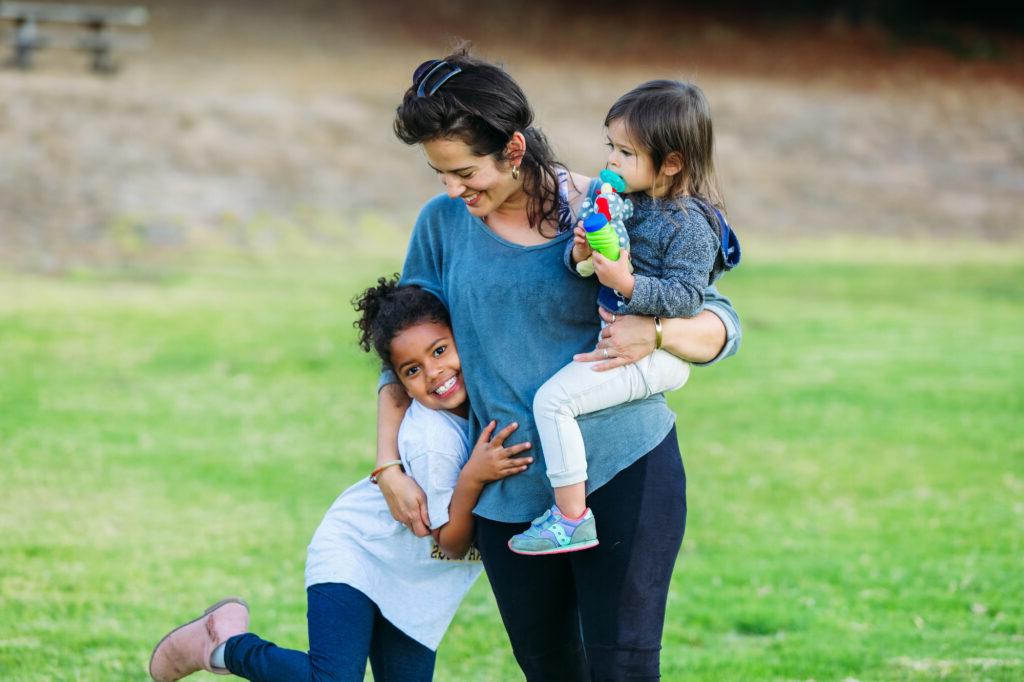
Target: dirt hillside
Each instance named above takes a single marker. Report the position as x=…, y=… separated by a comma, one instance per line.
x=240, y=112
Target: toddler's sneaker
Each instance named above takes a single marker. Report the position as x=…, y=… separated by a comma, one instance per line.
x=552, y=533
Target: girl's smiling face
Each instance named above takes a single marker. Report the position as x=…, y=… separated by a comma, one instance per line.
x=480, y=181
x=427, y=363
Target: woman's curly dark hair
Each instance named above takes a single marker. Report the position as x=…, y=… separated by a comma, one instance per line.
x=388, y=309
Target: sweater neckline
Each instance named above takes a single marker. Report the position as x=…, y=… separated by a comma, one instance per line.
x=566, y=218
x=560, y=237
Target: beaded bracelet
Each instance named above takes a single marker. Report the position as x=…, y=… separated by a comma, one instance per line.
x=376, y=472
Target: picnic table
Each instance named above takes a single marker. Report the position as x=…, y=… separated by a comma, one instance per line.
x=39, y=25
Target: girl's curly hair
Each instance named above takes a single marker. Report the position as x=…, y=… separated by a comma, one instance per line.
x=388, y=309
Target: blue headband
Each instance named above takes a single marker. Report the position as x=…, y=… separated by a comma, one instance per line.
x=425, y=71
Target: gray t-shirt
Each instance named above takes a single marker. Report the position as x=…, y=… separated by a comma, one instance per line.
x=358, y=542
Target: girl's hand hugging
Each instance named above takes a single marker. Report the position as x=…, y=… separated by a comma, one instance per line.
x=491, y=461
x=615, y=274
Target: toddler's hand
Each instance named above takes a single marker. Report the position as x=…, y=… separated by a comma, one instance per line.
x=615, y=274
x=491, y=461
x=580, y=246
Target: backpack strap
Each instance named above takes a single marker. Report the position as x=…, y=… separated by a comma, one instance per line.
x=729, y=252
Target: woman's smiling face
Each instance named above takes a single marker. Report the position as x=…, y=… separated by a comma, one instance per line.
x=427, y=363
x=479, y=181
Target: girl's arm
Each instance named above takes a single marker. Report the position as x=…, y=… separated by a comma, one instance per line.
x=713, y=335
x=406, y=500
x=688, y=248
x=489, y=461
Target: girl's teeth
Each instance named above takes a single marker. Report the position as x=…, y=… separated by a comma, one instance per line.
x=445, y=386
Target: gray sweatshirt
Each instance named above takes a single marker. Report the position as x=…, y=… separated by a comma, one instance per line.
x=674, y=251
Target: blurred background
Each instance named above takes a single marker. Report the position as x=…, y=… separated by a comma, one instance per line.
x=181, y=396
x=837, y=118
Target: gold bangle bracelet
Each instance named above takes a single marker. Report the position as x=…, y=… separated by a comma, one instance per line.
x=377, y=472
x=657, y=333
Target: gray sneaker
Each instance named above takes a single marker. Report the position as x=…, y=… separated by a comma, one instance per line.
x=552, y=533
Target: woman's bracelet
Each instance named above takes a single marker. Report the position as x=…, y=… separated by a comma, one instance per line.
x=657, y=333
x=376, y=472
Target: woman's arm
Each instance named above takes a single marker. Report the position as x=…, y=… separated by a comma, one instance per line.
x=489, y=461
x=406, y=500
x=695, y=339
x=713, y=335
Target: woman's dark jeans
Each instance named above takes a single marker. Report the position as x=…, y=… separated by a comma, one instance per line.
x=596, y=614
x=345, y=627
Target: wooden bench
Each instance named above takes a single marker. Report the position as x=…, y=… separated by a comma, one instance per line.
x=98, y=21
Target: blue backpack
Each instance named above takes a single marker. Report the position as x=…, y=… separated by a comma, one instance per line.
x=729, y=252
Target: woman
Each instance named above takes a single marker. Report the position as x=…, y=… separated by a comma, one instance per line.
x=492, y=249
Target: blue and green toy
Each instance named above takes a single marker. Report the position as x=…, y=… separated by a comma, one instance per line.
x=603, y=219
x=602, y=236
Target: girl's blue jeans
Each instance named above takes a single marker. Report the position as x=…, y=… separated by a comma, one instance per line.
x=345, y=628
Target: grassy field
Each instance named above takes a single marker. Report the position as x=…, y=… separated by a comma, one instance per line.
x=856, y=473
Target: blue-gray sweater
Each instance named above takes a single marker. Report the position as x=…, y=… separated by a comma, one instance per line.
x=674, y=252
x=519, y=316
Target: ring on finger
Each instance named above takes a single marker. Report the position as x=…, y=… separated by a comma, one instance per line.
x=605, y=353
x=613, y=318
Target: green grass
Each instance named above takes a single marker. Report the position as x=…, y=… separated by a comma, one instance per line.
x=856, y=474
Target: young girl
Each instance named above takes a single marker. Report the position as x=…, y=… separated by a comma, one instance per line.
x=374, y=589
x=660, y=143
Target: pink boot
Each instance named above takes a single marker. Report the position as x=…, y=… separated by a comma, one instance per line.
x=187, y=648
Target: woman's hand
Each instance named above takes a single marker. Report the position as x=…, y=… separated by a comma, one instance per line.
x=491, y=460
x=625, y=339
x=628, y=338
x=406, y=500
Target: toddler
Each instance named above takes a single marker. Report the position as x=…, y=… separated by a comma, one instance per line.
x=660, y=144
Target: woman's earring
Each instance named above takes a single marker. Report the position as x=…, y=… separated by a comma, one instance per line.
x=515, y=172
